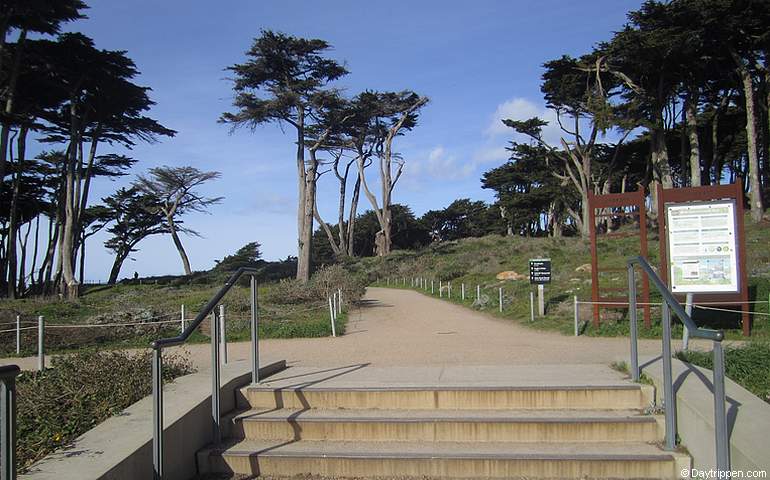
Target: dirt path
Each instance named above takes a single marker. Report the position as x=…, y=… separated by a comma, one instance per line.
x=406, y=328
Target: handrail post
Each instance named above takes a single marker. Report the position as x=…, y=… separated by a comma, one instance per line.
x=222, y=334
x=215, y=410
x=668, y=382
x=157, y=413
x=8, y=422
x=254, y=332
x=633, y=323
x=720, y=415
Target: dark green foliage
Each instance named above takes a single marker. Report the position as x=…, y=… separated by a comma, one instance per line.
x=80, y=391
x=246, y=256
x=527, y=191
x=407, y=231
x=463, y=218
x=134, y=219
x=747, y=365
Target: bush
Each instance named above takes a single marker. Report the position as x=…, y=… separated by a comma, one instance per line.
x=321, y=286
x=748, y=365
x=80, y=391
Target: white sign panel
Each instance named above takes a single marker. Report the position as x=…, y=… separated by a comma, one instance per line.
x=702, y=247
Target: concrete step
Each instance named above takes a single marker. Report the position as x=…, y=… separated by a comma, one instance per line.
x=447, y=425
x=444, y=459
x=623, y=396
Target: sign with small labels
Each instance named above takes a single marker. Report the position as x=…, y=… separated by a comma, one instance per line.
x=539, y=271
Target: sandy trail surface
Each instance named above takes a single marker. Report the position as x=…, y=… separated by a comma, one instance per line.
x=406, y=328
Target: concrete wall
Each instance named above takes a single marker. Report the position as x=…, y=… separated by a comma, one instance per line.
x=748, y=417
x=121, y=447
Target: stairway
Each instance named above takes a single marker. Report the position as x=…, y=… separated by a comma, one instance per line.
x=533, y=431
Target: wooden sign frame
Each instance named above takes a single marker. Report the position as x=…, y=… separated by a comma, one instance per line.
x=618, y=200
x=704, y=194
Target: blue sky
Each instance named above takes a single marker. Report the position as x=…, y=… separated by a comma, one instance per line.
x=477, y=61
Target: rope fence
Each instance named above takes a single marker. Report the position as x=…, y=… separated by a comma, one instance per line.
x=427, y=284
x=235, y=322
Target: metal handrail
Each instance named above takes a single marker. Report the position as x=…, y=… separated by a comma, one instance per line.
x=670, y=303
x=8, y=374
x=157, y=364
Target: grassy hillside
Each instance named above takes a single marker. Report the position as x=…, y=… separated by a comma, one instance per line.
x=286, y=310
x=476, y=261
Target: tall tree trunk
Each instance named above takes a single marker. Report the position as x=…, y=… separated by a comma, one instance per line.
x=22, y=283
x=116, y=266
x=178, y=244
x=660, y=164
x=755, y=187
x=10, y=95
x=82, y=198
x=691, y=111
x=69, y=285
x=303, y=245
x=308, y=211
x=341, y=228
x=13, y=228
x=82, y=268
x=32, y=268
x=352, y=216
x=44, y=274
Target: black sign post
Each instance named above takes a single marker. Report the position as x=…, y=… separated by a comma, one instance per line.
x=540, y=274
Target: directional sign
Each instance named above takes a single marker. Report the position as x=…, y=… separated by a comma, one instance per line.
x=540, y=271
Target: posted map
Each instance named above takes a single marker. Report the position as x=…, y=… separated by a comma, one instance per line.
x=702, y=247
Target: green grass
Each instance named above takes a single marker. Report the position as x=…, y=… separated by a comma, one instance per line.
x=748, y=365
x=476, y=261
x=286, y=310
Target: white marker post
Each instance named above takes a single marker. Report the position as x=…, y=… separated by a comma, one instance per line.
x=339, y=303
x=478, y=294
x=577, y=314
x=183, y=318
x=541, y=300
x=501, y=299
x=18, y=334
x=431, y=288
x=531, y=306
x=440, y=291
x=449, y=289
x=331, y=317
x=40, y=343
x=462, y=291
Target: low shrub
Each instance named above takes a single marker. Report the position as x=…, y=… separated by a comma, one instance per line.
x=747, y=365
x=323, y=284
x=80, y=391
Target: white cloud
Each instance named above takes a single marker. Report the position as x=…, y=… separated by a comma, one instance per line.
x=523, y=109
x=441, y=165
x=491, y=154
